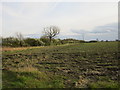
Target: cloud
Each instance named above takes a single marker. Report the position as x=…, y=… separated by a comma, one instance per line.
x=79, y=31
x=108, y=28
x=32, y=36
x=107, y=32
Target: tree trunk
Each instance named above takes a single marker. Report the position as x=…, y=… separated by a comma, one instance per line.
x=20, y=44
x=50, y=40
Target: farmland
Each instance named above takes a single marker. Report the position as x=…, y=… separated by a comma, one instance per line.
x=79, y=65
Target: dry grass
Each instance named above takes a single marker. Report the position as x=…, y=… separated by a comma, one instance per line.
x=18, y=48
x=11, y=49
x=25, y=69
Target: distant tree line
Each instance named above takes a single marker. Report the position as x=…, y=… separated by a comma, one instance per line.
x=46, y=40
x=43, y=41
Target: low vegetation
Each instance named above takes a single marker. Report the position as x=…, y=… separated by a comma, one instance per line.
x=43, y=41
x=70, y=65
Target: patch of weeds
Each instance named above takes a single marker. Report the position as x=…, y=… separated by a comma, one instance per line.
x=103, y=78
x=10, y=80
x=111, y=67
x=31, y=82
x=56, y=83
x=30, y=78
x=103, y=84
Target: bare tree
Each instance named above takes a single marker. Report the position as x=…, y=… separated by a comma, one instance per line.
x=19, y=36
x=51, y=32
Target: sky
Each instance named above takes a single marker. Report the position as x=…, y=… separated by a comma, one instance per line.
x=78, y=20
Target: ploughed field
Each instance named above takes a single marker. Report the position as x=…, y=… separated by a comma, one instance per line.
x=81, y=65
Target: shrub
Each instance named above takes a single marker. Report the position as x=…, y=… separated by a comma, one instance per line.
x=56, y=42
x=10, y=41
x=92, y=41
x=46, y=41
x=81, y=41
x=33, y=42
x=65, y=41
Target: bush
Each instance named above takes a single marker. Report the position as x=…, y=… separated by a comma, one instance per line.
x=33, y=42
x=56, y=42
x=14, y=42
x=65, y=41
x=46, y=41
x=81, y=41
x=92, y=41
x=10, y=41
